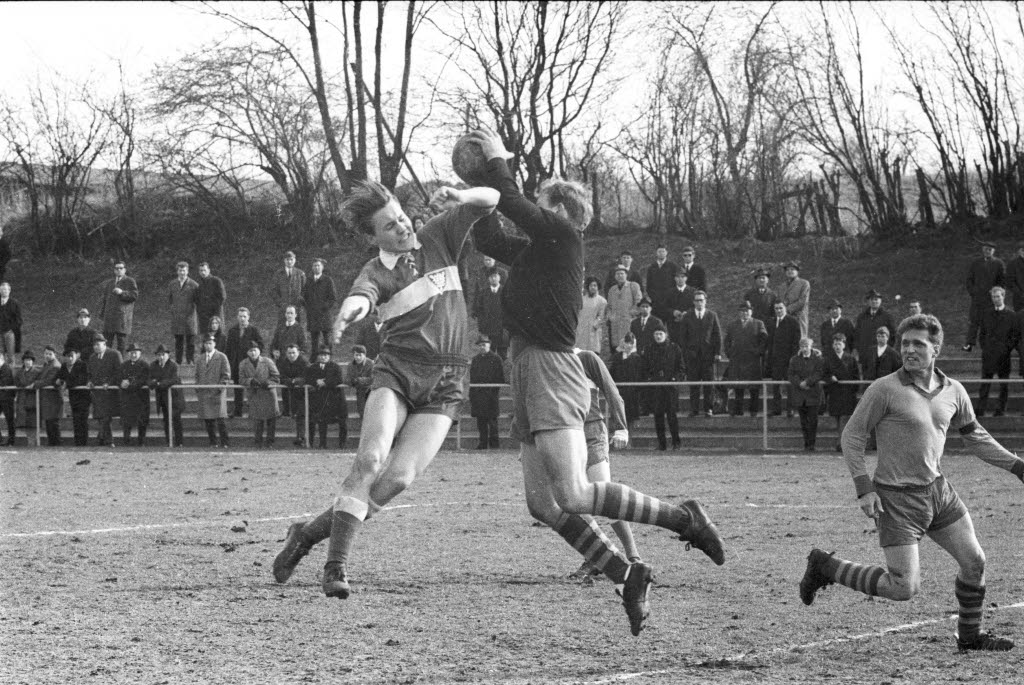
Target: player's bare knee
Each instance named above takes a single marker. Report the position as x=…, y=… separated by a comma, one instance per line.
x=902, y=588
x=572, y=498
x=368, y=464
x=972, y=569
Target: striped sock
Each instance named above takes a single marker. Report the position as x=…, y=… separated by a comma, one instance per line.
x=860, y=577
x=348, y=518
x=587, y=539
x=616, y=501
x=971, y=602
x=319, y=529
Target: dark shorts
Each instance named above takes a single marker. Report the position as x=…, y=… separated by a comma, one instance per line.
x=549, y=392
x=910, y=513
x=425, y=389
x=596, y=433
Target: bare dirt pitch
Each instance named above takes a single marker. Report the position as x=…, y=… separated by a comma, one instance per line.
x=154, y=567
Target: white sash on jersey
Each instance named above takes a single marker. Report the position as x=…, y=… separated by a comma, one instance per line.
x=420, y=291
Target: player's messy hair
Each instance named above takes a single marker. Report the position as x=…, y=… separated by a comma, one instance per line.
x=367, y=198
x=922, y=322
x=573, y=196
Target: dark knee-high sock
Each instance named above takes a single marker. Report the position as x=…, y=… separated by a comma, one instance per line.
x=348, y=519
x=860, y=577
x=616, y=501
x=587, y=539
x=970, y=601
x=319, y=529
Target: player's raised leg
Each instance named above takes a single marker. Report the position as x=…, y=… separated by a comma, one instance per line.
x=899, y=579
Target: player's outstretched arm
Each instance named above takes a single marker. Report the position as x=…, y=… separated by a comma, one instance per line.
x=478, y=197
x=354, y=308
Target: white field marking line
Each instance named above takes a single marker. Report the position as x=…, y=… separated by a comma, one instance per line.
x=621, y=677
x=797, y=506
x=228, y=521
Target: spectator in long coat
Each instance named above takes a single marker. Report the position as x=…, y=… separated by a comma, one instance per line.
x=700, y=339
x=487, y=312
x=181, y=300
x=839, y=365
x=632, y=275
x=286, y=287
x=10, y=322
x=629, y=367
x=51, y=401
x=7, y=398
x=659, y=283
x=104, y=369
x=486, y=367
x=680, y=301
x=134, y=395
x=643, y=326
x=369, y=336
x=163, y=376
x=696, y=276
x=882, y=360
x=984, y=273
x=25, y=377
x=288, y=333
x=240, y=336
x=664, y=362
x=360, y=376
x=796, y=293
x=805, y=373
x=1000, y=335
x=81, y=336
x=319, y=297
x=745, y=342
x=72, y=376
x=210, y=298
x=213, y=368
x=292, y=370
x=783, y=343
x=117, y=306
x=836, y=323
x=623, y=297
x=327, y=403
x=592, y=316
x=761, y=297
x=1015, y=278
x=866, y=326
x=482, y=281
x=259, y=375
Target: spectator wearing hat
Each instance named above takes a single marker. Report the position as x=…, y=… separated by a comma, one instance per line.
x=664, y=363
x=260, y=377
x=883, y=359
x=104, y=371
x=623, y=296
x=631, y=275
x=291, y=368
x=369, y=336
x=783, y=342
x=660, y=283
x=286, y=286
x=117, y=306
x=866, y=328
x=590, y=325
x=836, y=323
x=487, y=312
x=7, y=398
x=700, y=338
x=163, y=377
x=746, y=340
x=240, y=336
x=51, y=401
x=642, y=327
x=25, y=378
x=10, y=322
x=696, y=277
x=181, y=300
x=680, y=301
x=73, y=375
x=213, y=368
x=319, y=298
x=796, y=294
x=134, y=395
x=288, y=333
x=81, y=336
x=486, y=367
x=210, y=298
x=482, y=279
x=1000, y=334
x=629, y=367
x=761, y=297
x=839, y=365
x=327, y=402
x=1015, y=278
x=360, y=376
x=805, y=372
x=984, y=273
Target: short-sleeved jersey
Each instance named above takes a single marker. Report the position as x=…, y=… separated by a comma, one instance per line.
x=423, y=312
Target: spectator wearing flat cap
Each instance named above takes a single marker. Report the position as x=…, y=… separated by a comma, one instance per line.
x=1015, y=278
x=10, y=322
x=288, y=333
x=163, y=376
x=213, y=368
x=836, y=323
x=868, y=322
x=660, y=282
x=7, y=398
x=51, y=401
x=700, y=339
x=260, y=377
x=486, y=367
x=181, y=301
x=240, y=336
x=319, y=298
x=761, y=297
x=104, y=369
x=210, y=298
x=73, y=375
x=642, y=327
x=632, y=275
x=984, y=273
x=292, y=369
x=664, y=363
x=360, y=376
x=25, y=377
x=680, y=301
x=746, y=340
x=134, y=395
x=1000, y=334
x=327, y=402
x=783, y=342
x=796, y=293
x=117, y=306
x=623, y=296
x=81, y=336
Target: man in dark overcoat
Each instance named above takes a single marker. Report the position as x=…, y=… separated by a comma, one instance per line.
x=327, y=403
x=664, y=363
x=629, y=367
x=700, y=339
x=1000, y=335
x=210, y=297
x=487, y=312
x=319, y=298
x=117, y=306
x=660, y=283
x=74, y=374
x=783, y=343
x=1015, y=278
x=805, y=372
x=292, y=369
x=104, y=369
x=680, y=301
x=134, y=395
x=286, y=287
x=163, y=374
x=181, y=300
x=360, y=376
x=761, y=297
x=865, y=328
x=984, y=273
x=745, y=342
x=81, y=336
x=240, y=336
x=642, y=327
x=486, y=367
x=836, y=323
x=7, y=398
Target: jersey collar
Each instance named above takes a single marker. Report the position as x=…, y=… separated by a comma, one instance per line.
x=390, y=259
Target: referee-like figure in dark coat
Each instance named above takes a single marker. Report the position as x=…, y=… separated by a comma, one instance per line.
x=73, y=374
x=486, y=367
